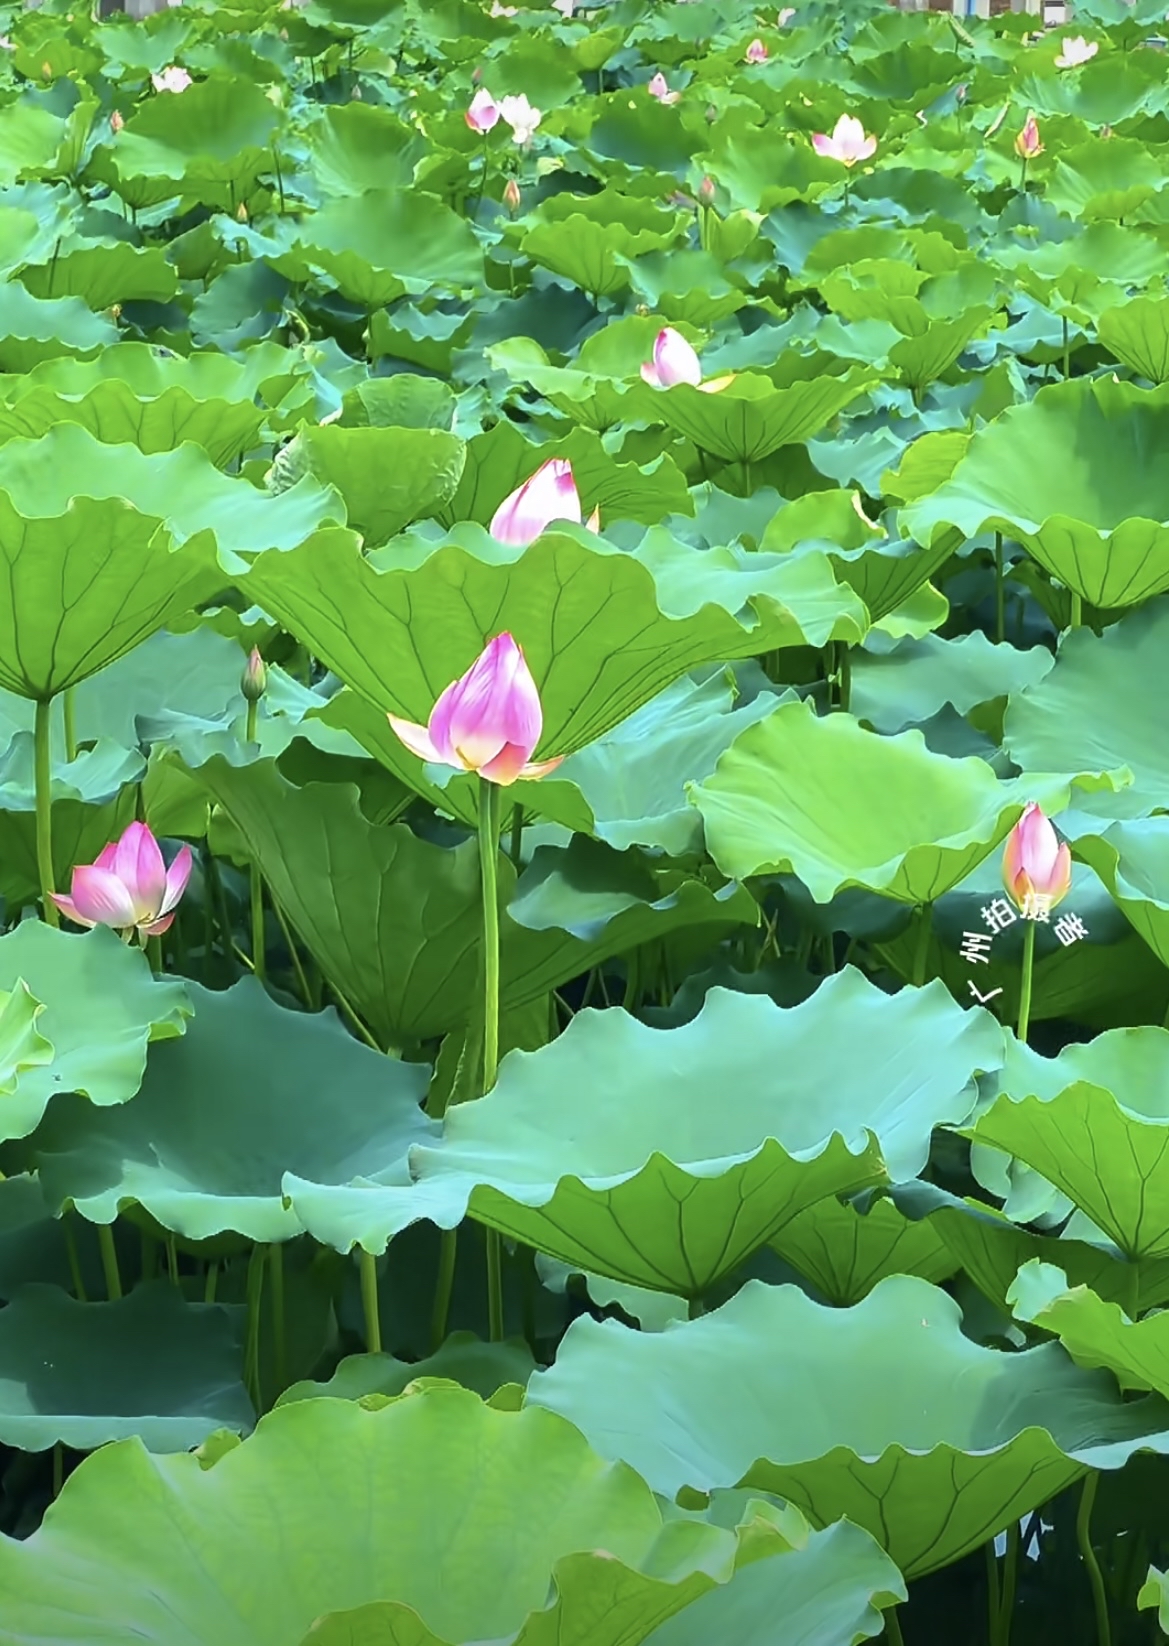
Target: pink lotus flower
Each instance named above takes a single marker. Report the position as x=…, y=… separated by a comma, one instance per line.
x=1037, y=865
x=511, y=195
x=117, y=121
x=659, y=88
x=521, y=117
x=848, y=142
x=674, y=361
x=549, y=494
x=129, y=887
x=1076, y=51
x=483, y=113
x=1027, y=144
x=756, y=52
x=488, y=721
x=172, y=79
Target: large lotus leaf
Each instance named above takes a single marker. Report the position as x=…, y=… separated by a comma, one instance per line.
x=104, y=274
x=150, y=1365
x=885, y=1413
x=1132, y=859
x=30, y=137
x=838, y=806
x=102, y=1007
x=750, y=418
x=845, y=1252
x=1094, y=1332
x=264, y=372
x=604, y=1151
x=603, y=630
x=918, y=678
x=1073, y=476
x=355, y=148
x=1138, y=334
x=34, y=329
x=591, y=240
x=208, y=144
x=388, y=477
x=1097, y=708
x=22, y=1046
x=224, y=1111
x=376, y=247
x=463, y=1358
x=404, y=1523
x=116, y=415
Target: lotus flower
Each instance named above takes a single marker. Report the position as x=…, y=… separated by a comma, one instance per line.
x=172, y=79
x=117, y=121
x=483, y=113
x=1027, y=144
x=549, y=494
x=848, y=142
x=659, y=87
x=129, y=887
x=674, y=361
x=1037, y=865
x=520, y=116
x=1076, y=51
x=488, y=721
x=785, y=17
x=756, y=52
x=511, y=195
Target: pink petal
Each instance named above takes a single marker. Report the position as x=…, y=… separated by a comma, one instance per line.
x=139, y=865
x=176, y=881
x=675, y=360
x=101, y=899
x=506, y=765
x=650, y=373
x=495, y=703
x=107, y=857
x=417, y=739
x=541, y=768
x=549, y=494
x=157, y=927
x=69, y=908
x=824, y=145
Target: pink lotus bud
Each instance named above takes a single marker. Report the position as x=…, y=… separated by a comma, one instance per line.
x=511, y=195
x=117, y=121
x=1037, y=865
x=172, y=79
x=129, y=887
x=1076, y=51
x=549, y=494
x=521, y=117
x=659, y=87
x=674, y=361
x=255, y=677
x=593, y=523
x=848, y=142
x=488, y=721
x=756, y=52
x=1027, y=144
x=483, y=112
x=706, y=191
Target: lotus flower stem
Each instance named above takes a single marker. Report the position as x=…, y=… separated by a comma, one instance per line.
x=1067, y=370
x=255, y=882
x=994, y=1602
x=517, y=834
x=70, y=724
x=369, y=1302
x=1077, y=613
x=925, y=922
x=255, y=1297
x=276, y=1265
x=1091, y=1564
x=1025, y=987
x=75, y=1275
x=109, y=1261
x=294, y=952
x=1000, y=625
x=893, y=1627
x=43, y=768
x=489, y=810
x=1010, y=1576
x=211, y=1281
x=448, y=1251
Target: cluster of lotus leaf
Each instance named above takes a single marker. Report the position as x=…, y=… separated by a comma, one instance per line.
x=829, y=1302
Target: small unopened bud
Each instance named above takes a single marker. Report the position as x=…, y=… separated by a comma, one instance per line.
x=117, y=121
x=241, y=213
x=254, y=682
x=706, y=191
x=511, y=195
x=47, y=69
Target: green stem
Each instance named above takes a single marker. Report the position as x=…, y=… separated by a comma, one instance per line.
x=255, y=883
x=58, y=1469
x=517, y=835
x=1000, y=626
x=1091, y=1564
x=994, y=1604
x=1010, y=1575
x=70, y=724
x=1025, y=987
x=1066, y=351
x=276, y=1266
x=695, y=1308
x=845, y=677
x=921, y=949
x=290, y=945
x=109, y=1261
x=255, y=1298
x=1077, y=614
x=211, y=1283
x=74, y=1259
x=494, y=1286
x=448, y=1251
x=43, y=757
x=893, y=1627
x=489, y=807
x=369, y=1302
x=172, y=1261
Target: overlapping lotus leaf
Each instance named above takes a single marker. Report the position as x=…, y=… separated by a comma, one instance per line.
x=430, y=1469
x=116, y=416
x=103, y=274
x=1071, y=475
x=22, y=1046
x=35, y=329
x=388, y=477
x=845, y=1251
x=1138, y=334
x=1132, y=859
x=751, y=417
x=918, y=678
x=1095, y=1332
x=463, y=1358
x=885, y=1413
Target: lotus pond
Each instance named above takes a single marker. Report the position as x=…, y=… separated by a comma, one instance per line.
x=584, y=825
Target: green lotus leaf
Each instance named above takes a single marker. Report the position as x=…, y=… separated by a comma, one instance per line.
x=925, y=355
x=1138, y=334
x=650, y=1185
x=1096, y=709
x=1155, y=1592
x=838, y=806
x=603, y=630
x=1132, y=859
x=93, y=801
x=404, y=1531
x=1093, y=1331
x=463, y=1358
x=223, y=1112
x=115, y=415
x=1094, y=1121
x=33, y=329
x=388, y=477
x=885, y=1413
x=591, y=240
x=31, y=137
x=399, y=402
x=918, y=678
x=1096, y=516
x=376, y=247
x=264, y=372
x=356, y=148
x=596, y=398
x=22, y=1046
x=1103, y=180
x=751, y=418
x=102, y=1007
x=101, y=275
x=149, y=1365
x=845, y=1252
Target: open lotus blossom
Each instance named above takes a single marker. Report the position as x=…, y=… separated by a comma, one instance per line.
x=659, y=87
x=785, y=17
x=483, y=113
x=521, y=117
x=172, y=79
x=756, y=52
x=549, y=494
x=848, y=143
x=1075, y=51
x=129, y=887
x=1037, y=865
x=488, y=721
x=1027, y=143
x=674, y=361
x=564, y=7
